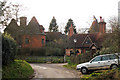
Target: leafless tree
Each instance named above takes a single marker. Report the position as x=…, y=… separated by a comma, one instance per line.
x=7, y=12
x=113, y=23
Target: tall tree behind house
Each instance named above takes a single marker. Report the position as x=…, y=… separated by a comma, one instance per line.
x=70, y=21
x=53, y=27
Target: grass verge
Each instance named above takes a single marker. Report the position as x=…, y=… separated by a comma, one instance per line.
x=103, y=75
x=70, y=66
x=17, y=69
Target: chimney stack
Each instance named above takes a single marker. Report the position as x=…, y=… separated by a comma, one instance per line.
x=102, y=26
x=71, y=31
x=23, y=21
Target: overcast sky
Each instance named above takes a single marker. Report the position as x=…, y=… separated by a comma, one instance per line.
x=81, y=11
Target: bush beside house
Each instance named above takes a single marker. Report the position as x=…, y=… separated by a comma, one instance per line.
x=12, y=68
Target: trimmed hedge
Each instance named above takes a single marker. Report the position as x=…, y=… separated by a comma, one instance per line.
x=8, y=49
x=41, y=59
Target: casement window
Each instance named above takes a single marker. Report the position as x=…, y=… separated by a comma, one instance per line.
x=27, y=41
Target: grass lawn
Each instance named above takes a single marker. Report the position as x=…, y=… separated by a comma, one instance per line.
x=17, y=69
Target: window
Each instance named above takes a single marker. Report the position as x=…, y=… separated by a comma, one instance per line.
x=27, y=41
x=87, y=42
x=42, y=41
x=77, y=51
x=113, y=57
x=96, y=59
x=105, y=58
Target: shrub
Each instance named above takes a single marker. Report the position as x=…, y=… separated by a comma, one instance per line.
x=8, y=49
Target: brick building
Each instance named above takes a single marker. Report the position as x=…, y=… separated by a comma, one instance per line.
x=90, y=42
x=32, y=36
x=27, y=36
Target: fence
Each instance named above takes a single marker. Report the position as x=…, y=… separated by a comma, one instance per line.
x=42, y=59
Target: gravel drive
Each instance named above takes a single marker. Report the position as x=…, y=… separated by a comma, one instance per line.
x=53, y=71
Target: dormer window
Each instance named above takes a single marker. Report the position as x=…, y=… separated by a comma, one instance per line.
x=87, y=42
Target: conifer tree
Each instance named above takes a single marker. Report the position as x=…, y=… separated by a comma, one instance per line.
x=70, y=21
x=53, y=27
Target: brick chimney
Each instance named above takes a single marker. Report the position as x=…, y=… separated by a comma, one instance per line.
x=71, y=31
x=23, y=21
x=102, y=26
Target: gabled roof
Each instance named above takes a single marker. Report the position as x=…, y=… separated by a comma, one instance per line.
x=81, y=38
x=12, y=28
x=87, y=41
x=33, y=27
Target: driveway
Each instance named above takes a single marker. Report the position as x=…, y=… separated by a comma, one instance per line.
x=53, y=71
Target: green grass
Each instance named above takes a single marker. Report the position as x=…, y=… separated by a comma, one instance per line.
x=103, y=75
x=70, y=66
x=17, y=69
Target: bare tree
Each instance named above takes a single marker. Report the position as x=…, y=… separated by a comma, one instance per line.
x=113, y=23
x=111, y=42
x=83, y=30
x=7, y=12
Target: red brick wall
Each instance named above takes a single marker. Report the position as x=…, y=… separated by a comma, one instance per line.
x=35, y=41
x=68, y=51
x=102, y=26
x=102, y=30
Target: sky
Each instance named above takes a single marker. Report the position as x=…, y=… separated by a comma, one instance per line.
x=80, y=11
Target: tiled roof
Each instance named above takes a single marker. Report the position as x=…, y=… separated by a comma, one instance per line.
x=33, y=27
x=94, y=27
x=12, y=28
x=81, y=40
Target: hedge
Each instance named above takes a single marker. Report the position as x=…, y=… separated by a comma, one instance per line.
x=8, y=49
